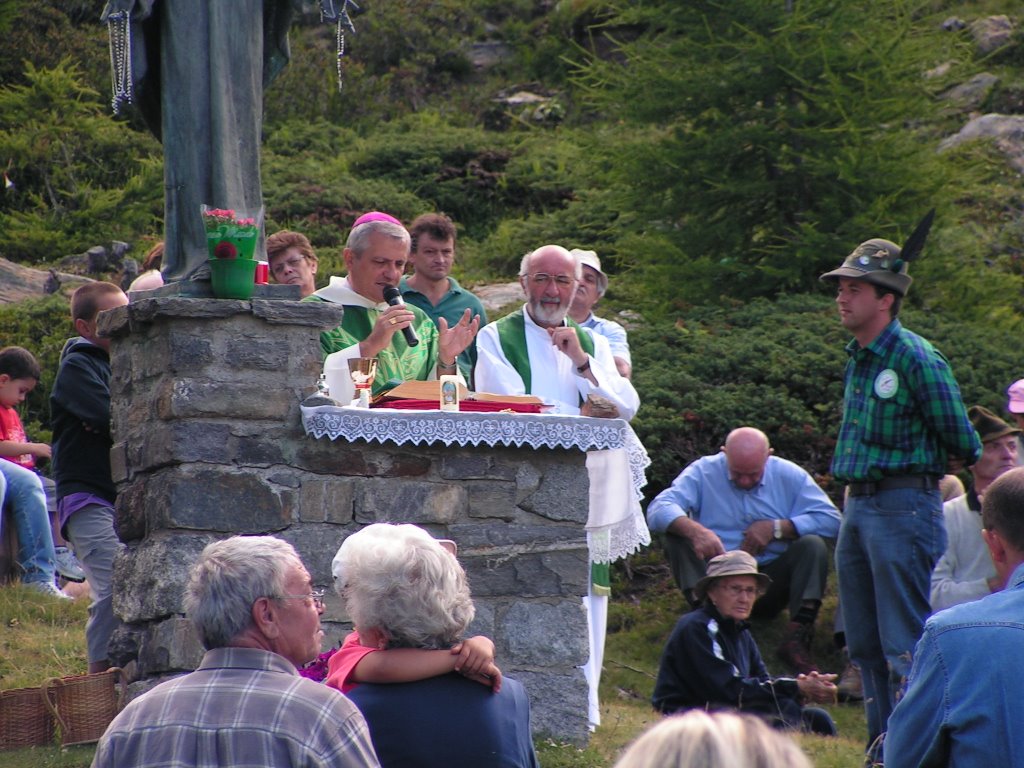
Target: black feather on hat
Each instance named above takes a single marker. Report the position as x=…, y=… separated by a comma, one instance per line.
x=884, y=263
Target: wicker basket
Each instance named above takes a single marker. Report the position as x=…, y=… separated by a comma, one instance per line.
x=25, y=720
x=84, y=705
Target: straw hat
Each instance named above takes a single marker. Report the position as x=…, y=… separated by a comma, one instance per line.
x=733, y=563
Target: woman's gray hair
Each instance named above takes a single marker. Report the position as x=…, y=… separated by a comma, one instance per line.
x=359, y=238
x=229, y=576
x=401, y=581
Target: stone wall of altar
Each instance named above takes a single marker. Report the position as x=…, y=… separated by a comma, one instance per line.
x=209, y=443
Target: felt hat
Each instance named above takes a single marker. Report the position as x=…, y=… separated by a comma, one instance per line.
x=1016, y=395
x=590, y=259
x=876, y=261
x=989, y=426
x=733, y=563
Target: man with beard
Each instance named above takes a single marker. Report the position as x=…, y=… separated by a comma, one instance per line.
x=537, y=350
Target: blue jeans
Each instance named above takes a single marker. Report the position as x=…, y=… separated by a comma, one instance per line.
x=888, y=545
x=25, y=498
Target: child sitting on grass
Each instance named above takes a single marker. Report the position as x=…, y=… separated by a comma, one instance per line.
x=21, y=489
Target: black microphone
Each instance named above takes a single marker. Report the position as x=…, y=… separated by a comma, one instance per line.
x=393, y=297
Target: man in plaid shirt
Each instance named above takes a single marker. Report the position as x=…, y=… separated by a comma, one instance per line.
x=254, y=608
x=902, y=419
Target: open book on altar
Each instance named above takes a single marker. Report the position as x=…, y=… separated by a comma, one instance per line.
x=427, y=395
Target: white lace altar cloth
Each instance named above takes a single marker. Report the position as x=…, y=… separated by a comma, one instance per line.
x=616, y=459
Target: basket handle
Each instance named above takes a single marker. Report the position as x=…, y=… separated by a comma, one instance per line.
x=53, y=683
x=49, y=685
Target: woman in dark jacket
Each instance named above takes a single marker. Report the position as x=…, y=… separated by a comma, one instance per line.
x=712, y=662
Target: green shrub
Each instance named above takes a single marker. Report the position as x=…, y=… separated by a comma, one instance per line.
x=41, y=326
x=81, y=178
x=778, y=365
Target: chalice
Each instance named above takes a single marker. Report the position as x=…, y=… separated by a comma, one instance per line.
x=362, y=370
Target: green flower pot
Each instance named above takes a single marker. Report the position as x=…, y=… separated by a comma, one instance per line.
x=240, y=242
x=233, y=278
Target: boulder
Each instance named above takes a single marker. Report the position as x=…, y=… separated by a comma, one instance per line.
x=991, y=33
x=1006, y=131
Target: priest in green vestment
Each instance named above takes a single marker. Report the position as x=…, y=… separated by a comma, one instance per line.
x=375, y=256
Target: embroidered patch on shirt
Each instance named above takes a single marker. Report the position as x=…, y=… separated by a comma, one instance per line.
x=887, y=384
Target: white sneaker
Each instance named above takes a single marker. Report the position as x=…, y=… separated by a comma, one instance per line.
x=48, y=589
x=67, y=565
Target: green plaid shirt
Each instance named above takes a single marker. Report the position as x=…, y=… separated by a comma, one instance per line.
x=902, y=411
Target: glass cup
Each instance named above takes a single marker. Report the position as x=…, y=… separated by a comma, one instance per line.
x=362, y=371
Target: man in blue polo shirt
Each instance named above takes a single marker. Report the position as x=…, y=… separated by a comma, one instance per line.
x=590, y=290
x=431, y=288
x=745, y=498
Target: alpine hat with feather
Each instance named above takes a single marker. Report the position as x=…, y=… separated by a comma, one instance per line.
x=882, y=262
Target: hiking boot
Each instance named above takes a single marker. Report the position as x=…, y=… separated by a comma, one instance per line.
x=67, y=565
x=850, y=686
x=48, y=589
x=795, y=650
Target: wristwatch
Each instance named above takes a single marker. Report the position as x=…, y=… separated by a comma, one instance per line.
x=777, y=529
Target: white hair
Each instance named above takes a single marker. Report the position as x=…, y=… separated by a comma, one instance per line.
x=359, y=238
x=401, y=581
x=699, y=739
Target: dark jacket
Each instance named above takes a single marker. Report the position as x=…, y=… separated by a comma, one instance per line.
x=713, y=663
x=448, y=721
x=80, y=413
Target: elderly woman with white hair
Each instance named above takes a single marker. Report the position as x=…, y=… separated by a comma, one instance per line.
x=404, y=590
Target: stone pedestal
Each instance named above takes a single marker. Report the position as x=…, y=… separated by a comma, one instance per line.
x=209, y=443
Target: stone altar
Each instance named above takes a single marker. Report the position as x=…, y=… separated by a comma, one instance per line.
x=209, y=442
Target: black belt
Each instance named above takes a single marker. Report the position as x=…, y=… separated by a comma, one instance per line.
x=896, y=482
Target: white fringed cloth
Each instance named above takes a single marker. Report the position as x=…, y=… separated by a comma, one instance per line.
x=616, y=459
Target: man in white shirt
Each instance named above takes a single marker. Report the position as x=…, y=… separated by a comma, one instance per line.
x=965, y=572
x=592, y=287
x=537, y=350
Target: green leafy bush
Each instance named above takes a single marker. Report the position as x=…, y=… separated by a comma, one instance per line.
x=41, y=326
x=771, y=137
x=778, y=365
x=81, y=178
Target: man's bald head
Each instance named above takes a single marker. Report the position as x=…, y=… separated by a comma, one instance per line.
x=746, y=452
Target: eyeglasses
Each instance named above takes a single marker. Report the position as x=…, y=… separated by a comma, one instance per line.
x=543, y=278
x=317, y=596
x=736, y=591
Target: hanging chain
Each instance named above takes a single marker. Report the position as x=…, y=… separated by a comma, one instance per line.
x=344, y=22
x=118, y=29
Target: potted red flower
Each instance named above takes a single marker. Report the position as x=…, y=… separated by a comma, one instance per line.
x=231, y=243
